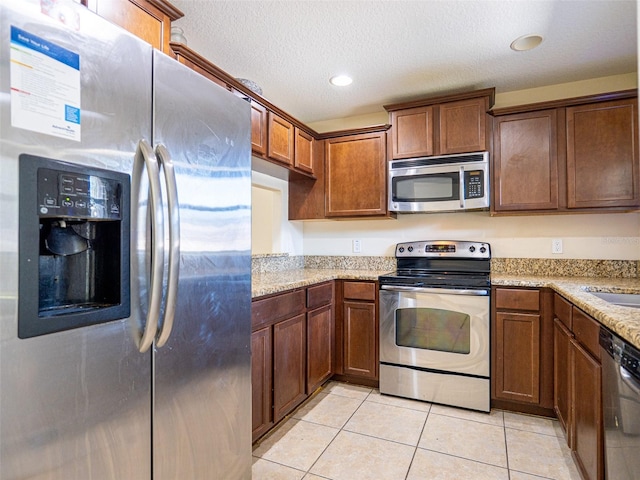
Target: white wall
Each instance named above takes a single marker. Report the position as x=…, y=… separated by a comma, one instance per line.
x=284, y=236
x=602, y=236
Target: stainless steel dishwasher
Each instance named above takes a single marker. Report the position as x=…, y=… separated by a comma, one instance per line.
x=621, y=407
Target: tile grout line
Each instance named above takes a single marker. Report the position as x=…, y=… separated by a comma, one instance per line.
x=339, y=430
x=415, y=450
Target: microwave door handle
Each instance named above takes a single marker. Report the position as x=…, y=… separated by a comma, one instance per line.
x=461, y=186
x=145, y=159
x=166, y=327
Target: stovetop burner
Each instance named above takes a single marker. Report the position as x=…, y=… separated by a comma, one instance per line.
x=441, y=263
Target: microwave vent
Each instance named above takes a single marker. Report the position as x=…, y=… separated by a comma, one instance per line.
x=445, y=159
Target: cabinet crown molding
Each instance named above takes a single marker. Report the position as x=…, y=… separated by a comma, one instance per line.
x=565, y=102
x=452, y=97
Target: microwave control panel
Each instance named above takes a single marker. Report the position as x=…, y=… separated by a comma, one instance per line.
x=474, y=184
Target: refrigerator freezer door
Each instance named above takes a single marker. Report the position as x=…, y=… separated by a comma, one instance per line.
x=202, y=389
x=75, y=405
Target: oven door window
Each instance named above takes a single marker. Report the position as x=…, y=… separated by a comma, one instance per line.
x=426, y=188
x=433, y=329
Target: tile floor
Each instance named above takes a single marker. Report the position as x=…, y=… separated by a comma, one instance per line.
x=348, y=432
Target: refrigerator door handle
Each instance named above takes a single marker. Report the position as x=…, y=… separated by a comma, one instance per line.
x=164, y=158
x=146, y=158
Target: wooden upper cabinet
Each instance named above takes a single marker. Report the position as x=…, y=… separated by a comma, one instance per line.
x=441, y=125
x=525, y=162
x=303, y=152
x=602, y=154
x=463, y=126
x=563, y=156
x=149, y=20
x=412, y=132
x=355, y=175
x=258, y=128
x=281, y=139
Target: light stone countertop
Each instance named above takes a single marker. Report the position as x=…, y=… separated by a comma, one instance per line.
x=281, y=281
x=625, y=321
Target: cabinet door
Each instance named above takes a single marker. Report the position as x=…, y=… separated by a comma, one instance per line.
x=463, y=126
x=562, y=376
x=303, y=152
x=319, y=346
x=587, y=413
x=360, y=340
x=258, y=129
x=281, y=139
x=355, y=182
x=143, y=18
x=412, y=132
x=602, y=155
x=525, y=162
x=289, y=372
x=517, y=363
x=261, y=386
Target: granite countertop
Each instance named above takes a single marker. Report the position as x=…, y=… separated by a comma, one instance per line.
x=625, y=321
x=280, y=281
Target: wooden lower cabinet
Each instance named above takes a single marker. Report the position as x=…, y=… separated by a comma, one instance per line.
x=360, y=339
x=562, y=376
x=289, y=373
x=357, y=332
x=261, y=381
x=522, y=350
x=586, y=399
x=292, y=351
x=319, y=346
x=578, y=386
x=518, y=354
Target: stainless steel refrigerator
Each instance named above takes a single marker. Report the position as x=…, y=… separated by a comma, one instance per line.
x=125, y=257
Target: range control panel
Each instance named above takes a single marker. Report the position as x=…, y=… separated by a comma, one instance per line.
x=74, y=195
x=443, y=248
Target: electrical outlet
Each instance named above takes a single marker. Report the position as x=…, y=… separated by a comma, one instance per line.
x=357, y=247
x=556, y=245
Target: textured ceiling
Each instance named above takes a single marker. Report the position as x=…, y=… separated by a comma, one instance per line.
x=401, y=50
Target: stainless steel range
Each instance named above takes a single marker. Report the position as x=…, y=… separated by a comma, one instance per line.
x=434, y=324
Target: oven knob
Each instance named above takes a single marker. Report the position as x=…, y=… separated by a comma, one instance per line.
x=410, y=249
x=482, y=249
x=472, y=249
x=401, y=249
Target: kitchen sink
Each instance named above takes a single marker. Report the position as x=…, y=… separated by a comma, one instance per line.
x=623, y=299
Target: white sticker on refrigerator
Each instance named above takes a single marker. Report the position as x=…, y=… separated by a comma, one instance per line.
x=45, y=86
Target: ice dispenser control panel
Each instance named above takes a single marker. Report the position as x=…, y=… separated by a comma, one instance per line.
x=74, y=195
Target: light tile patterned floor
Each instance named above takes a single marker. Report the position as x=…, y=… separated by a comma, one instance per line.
x=348, y=432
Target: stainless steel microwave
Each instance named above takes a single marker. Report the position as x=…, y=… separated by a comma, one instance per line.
x=439, y=184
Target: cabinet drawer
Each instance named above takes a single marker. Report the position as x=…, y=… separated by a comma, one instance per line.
x=360, y=290
x=517, y=299
x=273, y=309
x=587, y=332
x=319, y=295
x=562, y=310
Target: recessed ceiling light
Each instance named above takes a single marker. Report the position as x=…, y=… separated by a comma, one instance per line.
x=340, y=80
x=526, y=42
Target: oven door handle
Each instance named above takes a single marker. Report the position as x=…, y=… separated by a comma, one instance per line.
x=441, y=291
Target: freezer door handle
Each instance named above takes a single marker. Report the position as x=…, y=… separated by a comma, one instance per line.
x=164, y=158
x=145, y=158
